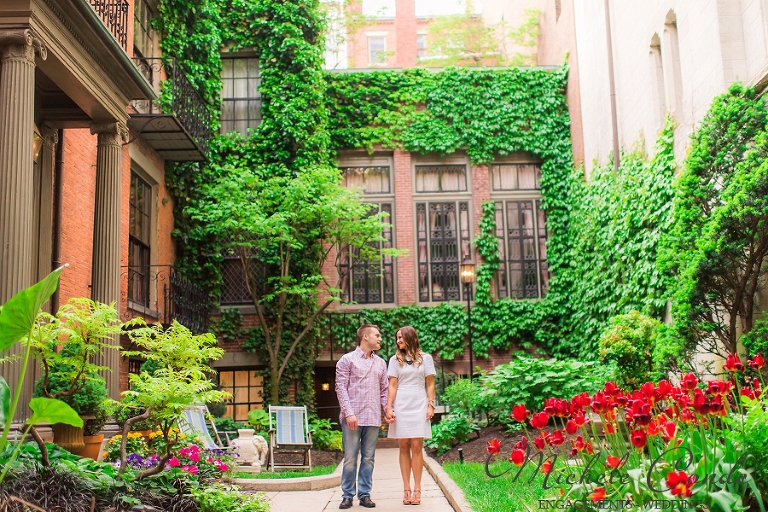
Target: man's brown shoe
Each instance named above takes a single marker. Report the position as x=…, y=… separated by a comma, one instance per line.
x=345, y=503
x=366, y=502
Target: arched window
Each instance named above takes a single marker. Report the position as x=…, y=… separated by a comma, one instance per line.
x=657, y=82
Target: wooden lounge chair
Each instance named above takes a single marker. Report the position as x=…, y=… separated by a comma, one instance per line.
x=194, y=422
x=289, y=434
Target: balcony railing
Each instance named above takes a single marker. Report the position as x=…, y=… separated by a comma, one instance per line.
x=177, y=97
x=114, y=13
x=160, y=295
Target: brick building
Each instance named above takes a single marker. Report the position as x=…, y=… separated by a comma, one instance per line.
x=83, y=148
x=434, y=202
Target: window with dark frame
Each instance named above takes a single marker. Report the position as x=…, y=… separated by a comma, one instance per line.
x=134, y=366
x=240, y=96
x=364, y=281
x=234, y=290
x=143, y=33
x=521, y=229
x=247, y=389
x=441, y=178
x=140, y=216
x=443, y=239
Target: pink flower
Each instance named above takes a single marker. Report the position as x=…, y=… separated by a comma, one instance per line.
x=192, y=470
x=194, y=457
x=184, y=452
x=173, y=462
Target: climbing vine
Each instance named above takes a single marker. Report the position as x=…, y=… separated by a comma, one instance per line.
x=597, y=231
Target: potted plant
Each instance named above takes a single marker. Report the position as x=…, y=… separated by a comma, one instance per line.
x=81, y=329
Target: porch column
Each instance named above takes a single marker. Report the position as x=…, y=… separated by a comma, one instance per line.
x=105, y=273
x=17, y=98
x=17, y=125
x=44, y=202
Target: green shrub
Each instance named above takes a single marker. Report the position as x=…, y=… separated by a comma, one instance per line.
x=530, y=381
x=324, y=436
x=756, y=340
x=258, y=419
x=218, y=497
x=228, y=425
x=462, y=396
x=452, y=429
x=629, y=341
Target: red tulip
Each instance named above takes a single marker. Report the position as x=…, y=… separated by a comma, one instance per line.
x=539, y=442
x=571, y=427
x=664, y=388
x=522, y=444
x=494, y=447
x=539, y=420
x=547, y=466
x=668, y=430
x=556, y=438
x=638, y=439
x=517, y=457
x=611, y=388
x=614, y=462
x=757, y=362
x=680, y=484
x=598, y=494
x=648, y=389
x=689, y=381
x=520, y=413
x=733, y=363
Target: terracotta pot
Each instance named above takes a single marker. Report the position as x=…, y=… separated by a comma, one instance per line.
x=68, y=437
x=91, y=447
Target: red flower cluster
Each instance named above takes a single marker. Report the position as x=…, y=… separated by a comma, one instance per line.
x=680, y=483
x=656, y=410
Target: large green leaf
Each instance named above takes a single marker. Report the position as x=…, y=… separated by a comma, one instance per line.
x=5, y=402
x=19, y=313
x=52, y=411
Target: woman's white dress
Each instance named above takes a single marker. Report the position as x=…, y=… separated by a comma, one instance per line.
x=410, y=403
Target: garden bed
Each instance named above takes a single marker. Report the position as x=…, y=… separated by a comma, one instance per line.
x=476, y=449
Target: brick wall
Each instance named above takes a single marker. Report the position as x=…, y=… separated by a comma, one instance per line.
x=404, y=229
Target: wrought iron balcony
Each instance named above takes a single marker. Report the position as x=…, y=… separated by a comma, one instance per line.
x=178, y=124
x=159, y=294
x=114, y=13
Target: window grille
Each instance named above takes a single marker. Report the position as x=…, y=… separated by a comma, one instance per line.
x=234, y=290
x=441, y=178
x=522, y=233
x=140, y=210
x=443, y=243
x=365, y=281
x=240, y=96
x=421, y=46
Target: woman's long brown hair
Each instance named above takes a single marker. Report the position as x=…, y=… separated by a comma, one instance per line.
x=412, y=346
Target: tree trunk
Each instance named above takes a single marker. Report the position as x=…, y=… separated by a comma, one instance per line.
x=274, y=381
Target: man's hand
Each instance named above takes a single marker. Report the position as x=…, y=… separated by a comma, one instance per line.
x=390, y=416
x=352, y=422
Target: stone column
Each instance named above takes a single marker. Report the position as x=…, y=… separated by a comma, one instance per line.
x=17, y=98
x=107, y=239
x=44, y=191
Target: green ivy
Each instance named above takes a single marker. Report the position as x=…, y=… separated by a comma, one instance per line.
x=602, y=234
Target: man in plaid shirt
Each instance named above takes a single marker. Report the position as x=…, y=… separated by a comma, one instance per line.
x=361, y=386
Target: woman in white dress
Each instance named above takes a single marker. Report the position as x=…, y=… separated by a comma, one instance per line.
x=410, y=406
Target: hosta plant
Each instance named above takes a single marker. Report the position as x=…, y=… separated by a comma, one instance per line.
x=686, y=446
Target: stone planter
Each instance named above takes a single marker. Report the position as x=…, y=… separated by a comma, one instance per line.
x=68, y=437
x=91, y=447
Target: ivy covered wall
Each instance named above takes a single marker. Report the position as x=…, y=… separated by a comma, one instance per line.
x=602, y=234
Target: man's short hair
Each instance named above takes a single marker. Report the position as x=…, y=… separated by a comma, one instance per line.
x=363, y=330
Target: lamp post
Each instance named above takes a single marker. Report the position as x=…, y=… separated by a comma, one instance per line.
x=467, y=273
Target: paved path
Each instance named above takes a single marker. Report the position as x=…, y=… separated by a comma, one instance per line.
x=387, y=492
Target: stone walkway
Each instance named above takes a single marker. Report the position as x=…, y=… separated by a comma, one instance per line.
x=387, y=492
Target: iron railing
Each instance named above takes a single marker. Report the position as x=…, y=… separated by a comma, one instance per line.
x=114, y=13
x=159, y=293
x=177, y=96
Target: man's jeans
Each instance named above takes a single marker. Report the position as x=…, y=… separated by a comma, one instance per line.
x=353, y=440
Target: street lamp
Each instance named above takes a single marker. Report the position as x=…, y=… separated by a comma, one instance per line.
x=467, y=273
